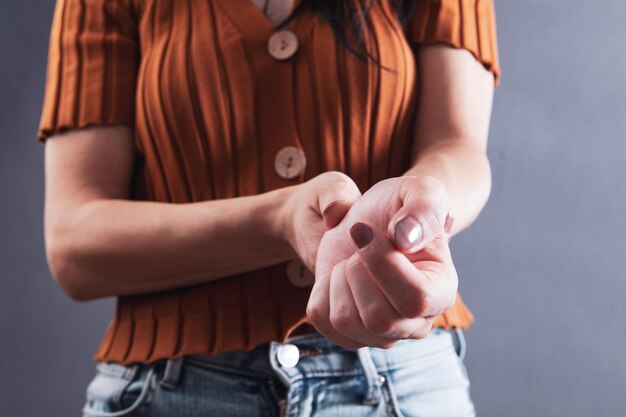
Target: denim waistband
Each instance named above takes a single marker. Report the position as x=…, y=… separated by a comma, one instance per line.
x=312, y=355
x=288, y=368
x=331, y=357
x=317, y=355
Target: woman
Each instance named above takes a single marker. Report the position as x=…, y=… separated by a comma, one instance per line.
x=269, y=202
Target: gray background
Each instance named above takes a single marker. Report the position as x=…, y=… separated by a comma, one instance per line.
x=543, y=269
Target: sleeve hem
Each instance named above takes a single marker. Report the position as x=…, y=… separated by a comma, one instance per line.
x=462, y=24
x=45, y=132
x=489, y=65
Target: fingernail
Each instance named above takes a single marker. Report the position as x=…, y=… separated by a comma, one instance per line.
x=407, y=232
x=330, y=207
x=361, y=234
x=448, y=223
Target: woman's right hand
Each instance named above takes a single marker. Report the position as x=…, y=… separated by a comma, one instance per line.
x=314, y=207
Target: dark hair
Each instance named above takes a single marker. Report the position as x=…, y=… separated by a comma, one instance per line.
x=356, y=12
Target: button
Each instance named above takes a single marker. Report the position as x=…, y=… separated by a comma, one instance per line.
x=299, y=275
x=289, y=162
x=288, y=355
x=282, y=44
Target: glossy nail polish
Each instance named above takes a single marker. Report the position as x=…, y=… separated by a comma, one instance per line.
x=361, y=234
x=407, y=233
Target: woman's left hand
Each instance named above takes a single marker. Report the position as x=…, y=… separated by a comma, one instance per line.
x=394, y=272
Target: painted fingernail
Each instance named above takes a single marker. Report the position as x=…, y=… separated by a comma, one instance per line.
x=407, y=233
x=448, y=223
x=361, y=234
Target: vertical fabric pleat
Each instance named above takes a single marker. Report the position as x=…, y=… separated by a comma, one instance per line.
x=141, y=343
x=326, y=82
x=374, y=84
x=317, y=146
x=166, y=112
x=206, y=174
x=79, y=67
x=168, y=320
x=225, y=105
x=210, y=109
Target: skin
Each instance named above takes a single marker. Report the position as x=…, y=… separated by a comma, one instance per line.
x=99, y=243
x=276, y=10
x=384, y=292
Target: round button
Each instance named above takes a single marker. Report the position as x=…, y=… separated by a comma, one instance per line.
x=282, y=44
x=299, y=275
x=288, y=355
x=289, y=162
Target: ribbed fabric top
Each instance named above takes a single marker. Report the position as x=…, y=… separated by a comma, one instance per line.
x=210, y=108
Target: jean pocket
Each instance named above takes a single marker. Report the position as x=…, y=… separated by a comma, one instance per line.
x=435, y=386
x=119, y=390
x=460, y=345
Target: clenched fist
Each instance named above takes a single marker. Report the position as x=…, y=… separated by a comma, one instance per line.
x=385, y=271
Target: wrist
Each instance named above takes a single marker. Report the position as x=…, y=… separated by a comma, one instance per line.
x=279, y=219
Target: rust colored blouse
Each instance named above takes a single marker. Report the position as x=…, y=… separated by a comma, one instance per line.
x=211, y=107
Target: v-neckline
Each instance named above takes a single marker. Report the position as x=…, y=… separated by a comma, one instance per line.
x=251, y=20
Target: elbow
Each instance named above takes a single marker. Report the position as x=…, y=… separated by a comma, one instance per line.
x=483, y=186
x=67, y=273
x=487, y=181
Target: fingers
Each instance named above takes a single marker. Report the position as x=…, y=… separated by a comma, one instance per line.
x=337, y=312
x=338, y=194
x=344, y=314
x=381, y=321
x=422, y=217
x=318, y=311
x=412, y=291
x=335, y=212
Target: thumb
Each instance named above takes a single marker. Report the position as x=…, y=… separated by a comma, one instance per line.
x=336, y=199
x=423, y=216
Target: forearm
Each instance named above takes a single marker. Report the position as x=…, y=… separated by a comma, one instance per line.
x=119, y=247
x=464, y=171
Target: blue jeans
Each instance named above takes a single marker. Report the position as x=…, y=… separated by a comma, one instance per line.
x=305, y=376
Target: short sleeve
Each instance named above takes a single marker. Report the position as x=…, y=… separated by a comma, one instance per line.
x=467, y=24
x=93, y=58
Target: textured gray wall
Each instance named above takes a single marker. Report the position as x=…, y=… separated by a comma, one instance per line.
x=544, y=269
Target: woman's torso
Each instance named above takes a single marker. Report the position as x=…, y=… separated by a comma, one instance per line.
x=218, y=115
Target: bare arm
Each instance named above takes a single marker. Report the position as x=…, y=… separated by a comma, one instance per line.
x=384, y=292
x=99, y=243
x=453, y=127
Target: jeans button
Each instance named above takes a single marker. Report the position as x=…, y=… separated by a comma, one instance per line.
x=288, y=355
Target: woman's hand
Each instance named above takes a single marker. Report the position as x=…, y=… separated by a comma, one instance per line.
x=395, y=275
x=314, y=207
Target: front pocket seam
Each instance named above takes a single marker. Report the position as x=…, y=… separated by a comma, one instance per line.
x=391, y=400
x=149, y=385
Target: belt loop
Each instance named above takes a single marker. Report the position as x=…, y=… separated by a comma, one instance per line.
x=373, y=379
x=171, y=373
x=460, y=344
